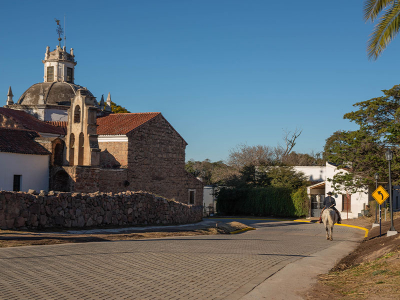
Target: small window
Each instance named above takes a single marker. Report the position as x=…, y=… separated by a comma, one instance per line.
x=17, y=183
x=50, y=74
x=192, y=194
x=77, y=114
x=69, y=74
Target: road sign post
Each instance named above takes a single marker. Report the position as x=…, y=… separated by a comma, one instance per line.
x=376, y=223
x=380, y=220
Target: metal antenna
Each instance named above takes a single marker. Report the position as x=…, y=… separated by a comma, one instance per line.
x=65, y=34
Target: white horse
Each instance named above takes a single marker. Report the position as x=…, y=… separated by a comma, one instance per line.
x=329, y=217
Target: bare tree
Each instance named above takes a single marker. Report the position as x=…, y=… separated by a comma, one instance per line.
x=244, y=155
x=290, y=140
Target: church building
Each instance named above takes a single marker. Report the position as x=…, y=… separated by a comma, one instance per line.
x=88, y=147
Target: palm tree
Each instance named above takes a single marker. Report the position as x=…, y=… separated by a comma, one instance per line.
x=387, y=27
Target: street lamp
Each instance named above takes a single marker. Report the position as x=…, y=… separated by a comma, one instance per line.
x=376, y=186
x=392, y=231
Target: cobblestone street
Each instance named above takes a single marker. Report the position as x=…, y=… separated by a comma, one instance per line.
x=201, y=267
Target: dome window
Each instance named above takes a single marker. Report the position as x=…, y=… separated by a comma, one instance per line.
x=70, y=75
x=50, y=74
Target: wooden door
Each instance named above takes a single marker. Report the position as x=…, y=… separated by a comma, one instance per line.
x=346, y=203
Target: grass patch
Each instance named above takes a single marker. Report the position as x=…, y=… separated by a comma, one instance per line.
x=378, y=277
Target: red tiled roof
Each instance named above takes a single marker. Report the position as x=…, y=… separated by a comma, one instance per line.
x=116, y=124
x=29, y=122
x=20, y=141
x=61, y=124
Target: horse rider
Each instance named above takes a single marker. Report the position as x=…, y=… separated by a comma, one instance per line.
x=329, y=202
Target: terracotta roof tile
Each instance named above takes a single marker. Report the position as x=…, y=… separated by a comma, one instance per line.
x=20, y=141
x=60, y=124
x=29, y=122
x=118, y=124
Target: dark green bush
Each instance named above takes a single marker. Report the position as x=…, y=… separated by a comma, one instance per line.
x=301, y=202
x=266, y=201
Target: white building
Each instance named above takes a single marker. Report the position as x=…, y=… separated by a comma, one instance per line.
x=350, y=205
x=209, y=201
x=313, y=173
x=24, y=163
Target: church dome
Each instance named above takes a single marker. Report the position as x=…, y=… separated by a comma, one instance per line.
x=54, y=93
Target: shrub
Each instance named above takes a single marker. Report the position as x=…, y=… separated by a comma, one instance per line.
x=266, y=201
x=301, y=202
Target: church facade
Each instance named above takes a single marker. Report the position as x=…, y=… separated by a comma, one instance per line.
x=92, y=149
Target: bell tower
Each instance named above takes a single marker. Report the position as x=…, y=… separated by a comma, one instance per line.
x=59, y=65
x=81, y=139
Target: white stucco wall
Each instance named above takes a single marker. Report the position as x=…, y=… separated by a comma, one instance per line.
x=314, y=173
x=55, y=115
x=358, y=200
x=33, y=168
x=208, y=197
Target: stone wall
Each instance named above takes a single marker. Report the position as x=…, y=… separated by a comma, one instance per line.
x=113, y=154
x=24, y=210
x=82, y=179
x=156, y=162
x=114, y=180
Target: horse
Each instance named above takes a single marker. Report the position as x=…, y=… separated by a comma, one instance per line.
x=329, y=218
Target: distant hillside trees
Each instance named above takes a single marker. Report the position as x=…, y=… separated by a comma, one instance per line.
x=257, y=166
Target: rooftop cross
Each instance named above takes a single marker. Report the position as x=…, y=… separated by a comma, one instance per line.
x=59, y=31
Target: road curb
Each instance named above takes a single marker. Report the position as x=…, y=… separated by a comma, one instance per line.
x=344, y=225
x=358, y=227
x=242, y=230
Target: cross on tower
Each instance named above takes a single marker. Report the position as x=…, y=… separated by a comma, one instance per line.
x=59, y=31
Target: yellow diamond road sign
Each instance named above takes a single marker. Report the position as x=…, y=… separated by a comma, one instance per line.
x=380, y=194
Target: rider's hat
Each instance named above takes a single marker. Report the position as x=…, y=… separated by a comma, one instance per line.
x=330, y=193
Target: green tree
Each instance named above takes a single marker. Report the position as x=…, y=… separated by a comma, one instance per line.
x=362, y=151
x=286, y=177
x=388, y=12
x=118, y=109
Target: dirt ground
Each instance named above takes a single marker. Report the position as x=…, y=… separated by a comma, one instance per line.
x=15, y=238
x=372, y=271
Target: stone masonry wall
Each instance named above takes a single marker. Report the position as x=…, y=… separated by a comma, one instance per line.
x=113, y=154
x=84, y=179
x=115, y=181
x=24, y=210
x=156, y=162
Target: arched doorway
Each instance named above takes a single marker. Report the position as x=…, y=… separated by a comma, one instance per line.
x=58, y=154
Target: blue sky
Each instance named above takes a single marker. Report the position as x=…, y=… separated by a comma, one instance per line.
x=223, y=73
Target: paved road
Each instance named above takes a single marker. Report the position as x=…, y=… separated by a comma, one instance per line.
x=201, y=267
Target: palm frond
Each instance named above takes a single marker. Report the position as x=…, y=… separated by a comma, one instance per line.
x=372, y=8
x=384, y=32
